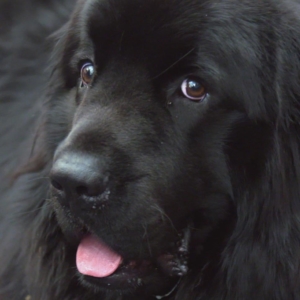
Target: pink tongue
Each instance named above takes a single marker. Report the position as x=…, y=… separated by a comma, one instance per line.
x=96, y=259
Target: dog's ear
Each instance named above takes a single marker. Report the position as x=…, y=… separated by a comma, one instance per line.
x=38, y=156
x=55, y=44
x=287, y=75
x=264, y=247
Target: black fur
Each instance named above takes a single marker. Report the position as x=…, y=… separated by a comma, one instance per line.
x=227, y=166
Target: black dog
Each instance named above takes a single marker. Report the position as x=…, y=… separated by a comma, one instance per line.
x=155, y=155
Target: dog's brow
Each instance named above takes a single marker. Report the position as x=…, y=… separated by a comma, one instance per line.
x=173, y=64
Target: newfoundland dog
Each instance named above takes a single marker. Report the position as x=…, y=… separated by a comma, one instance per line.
x=150, y=149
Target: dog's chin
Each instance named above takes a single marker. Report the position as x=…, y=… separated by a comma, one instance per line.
x=134, y=281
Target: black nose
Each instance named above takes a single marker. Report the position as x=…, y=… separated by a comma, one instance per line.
x=79, y=175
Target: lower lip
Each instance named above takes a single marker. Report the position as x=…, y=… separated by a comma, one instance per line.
x=125, y=277
x=147, y=278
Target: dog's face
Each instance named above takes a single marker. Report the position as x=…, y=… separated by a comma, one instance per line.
x=152, y=91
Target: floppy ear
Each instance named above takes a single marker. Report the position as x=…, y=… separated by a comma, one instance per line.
x=39, y=154
x=29, y=216
x=262, y=257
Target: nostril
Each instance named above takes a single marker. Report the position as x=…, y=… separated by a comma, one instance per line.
x=82, y=191
x=56, y=185
x=92, y=190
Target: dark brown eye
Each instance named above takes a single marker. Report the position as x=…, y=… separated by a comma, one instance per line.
x=193, y=89
x=87, y=73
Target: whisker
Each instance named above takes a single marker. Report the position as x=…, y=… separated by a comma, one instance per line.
x=24, y=213
x=164, y=216
x=146, y=235
x=38, y=178
x=173, y=64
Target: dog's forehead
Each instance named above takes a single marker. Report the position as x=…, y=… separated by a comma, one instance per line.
x=136, y=24
x=147, y=12
x=156, y=28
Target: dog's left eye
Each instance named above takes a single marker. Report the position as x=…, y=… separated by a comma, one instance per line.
x=193, y=89
x=87, y=73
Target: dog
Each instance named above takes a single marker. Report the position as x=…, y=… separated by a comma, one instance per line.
x=150, y=150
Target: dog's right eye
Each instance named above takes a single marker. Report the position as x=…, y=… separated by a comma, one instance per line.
x=87, y=73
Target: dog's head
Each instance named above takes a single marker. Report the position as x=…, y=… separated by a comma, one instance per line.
x=160, y=102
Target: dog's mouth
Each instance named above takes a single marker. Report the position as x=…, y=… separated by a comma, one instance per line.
x=101, y=265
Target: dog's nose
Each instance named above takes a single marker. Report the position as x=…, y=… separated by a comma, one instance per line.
x=78, y=175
